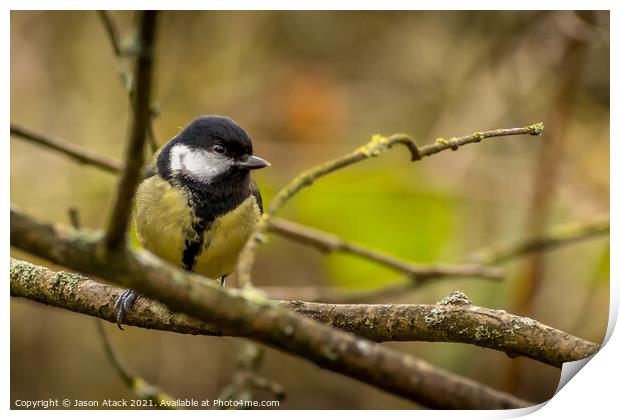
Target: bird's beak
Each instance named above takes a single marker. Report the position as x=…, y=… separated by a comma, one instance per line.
x=252, y=162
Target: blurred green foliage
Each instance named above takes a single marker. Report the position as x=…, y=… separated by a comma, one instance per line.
x=371, y=206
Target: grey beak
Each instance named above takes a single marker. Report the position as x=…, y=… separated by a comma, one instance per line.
x=252, y=162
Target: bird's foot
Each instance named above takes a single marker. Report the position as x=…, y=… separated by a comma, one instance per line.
x=223, y=280
x=123, y=304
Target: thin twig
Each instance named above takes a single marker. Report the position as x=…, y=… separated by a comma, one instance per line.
x=134, y=155
x=111, y=30
x=74, y=217
x=321, y=240
x=76, y=153
x=247, y=313
x=246, y=379
x=570, y=65
x=377, y=146
x=138, y=385
x=327, y=242
x=559, y=235
x=454, y=319
x=455, y=142
x=125, y=75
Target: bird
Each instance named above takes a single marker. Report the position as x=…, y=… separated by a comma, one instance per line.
x=197, y=203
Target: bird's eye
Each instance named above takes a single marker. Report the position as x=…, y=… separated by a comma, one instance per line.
x=219, y=148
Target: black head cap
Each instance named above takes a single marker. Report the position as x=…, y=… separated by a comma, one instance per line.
x=208, y=130
x=223, y=151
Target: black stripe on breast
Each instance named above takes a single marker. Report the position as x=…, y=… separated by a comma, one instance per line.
x=208, y=203
x=193, y=247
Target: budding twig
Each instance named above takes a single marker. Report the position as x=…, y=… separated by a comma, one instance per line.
x=376, y=147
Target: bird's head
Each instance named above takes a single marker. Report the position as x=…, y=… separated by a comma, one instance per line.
x=211, y=149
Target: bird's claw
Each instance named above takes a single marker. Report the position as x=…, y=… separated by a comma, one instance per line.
x=123, y=304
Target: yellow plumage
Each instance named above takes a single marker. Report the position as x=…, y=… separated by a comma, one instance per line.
x=197, y=204
x=225, y=239
x=164, y=220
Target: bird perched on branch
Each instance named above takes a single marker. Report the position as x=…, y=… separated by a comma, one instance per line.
x=197, y=204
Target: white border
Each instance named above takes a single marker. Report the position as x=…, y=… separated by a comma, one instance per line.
x=591, y=393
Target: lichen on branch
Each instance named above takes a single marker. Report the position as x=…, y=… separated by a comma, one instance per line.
x=453, y=319
x=235, y=313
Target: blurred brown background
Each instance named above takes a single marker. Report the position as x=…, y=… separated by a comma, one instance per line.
x=309, y=86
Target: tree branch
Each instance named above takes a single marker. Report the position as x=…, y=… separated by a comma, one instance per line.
x=246, y=378
x=139, y=386
x=376, y=147
x=558, y=236
x=454, y=319
x=134, y=155
x=249, y=314
x=112, y=32
x=136, y=384
x=76, y=153
x=321, y=240
x=331, y=243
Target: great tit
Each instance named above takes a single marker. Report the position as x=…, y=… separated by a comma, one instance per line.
x=197, y=204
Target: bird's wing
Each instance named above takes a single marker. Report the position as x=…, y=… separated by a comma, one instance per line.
x=256, y=193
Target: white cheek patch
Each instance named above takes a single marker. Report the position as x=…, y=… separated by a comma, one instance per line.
x=201, y=165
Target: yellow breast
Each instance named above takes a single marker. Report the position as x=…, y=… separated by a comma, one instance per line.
x=225, y=238
x=164, y=220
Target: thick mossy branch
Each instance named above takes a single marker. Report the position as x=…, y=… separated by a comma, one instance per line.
x=136, y=384
x=454, y=319
x=246, y=313
x=376, y=147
